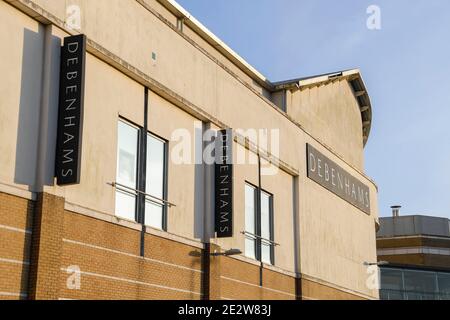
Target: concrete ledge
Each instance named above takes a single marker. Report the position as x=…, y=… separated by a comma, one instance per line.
x=335, y=287
x=18, y=192
x=130, y=224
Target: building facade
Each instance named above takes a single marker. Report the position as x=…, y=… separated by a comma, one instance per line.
x=136, y=212
x=418, y=251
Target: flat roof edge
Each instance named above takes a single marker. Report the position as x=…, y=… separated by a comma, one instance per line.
x=212, y=39
x=215, y=41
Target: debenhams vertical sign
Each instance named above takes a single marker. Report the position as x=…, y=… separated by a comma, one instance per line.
x=70, y=117
x=332, y=177
x=224, y=184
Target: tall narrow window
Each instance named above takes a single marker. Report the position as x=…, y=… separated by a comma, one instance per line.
x=266, y=228
x=155, y=182
x=141, y=176
x=250, y=223
x=127, y=159
x=259, y=227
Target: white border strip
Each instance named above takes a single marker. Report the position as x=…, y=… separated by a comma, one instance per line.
x=26, y=263
x=254, y=285
x=130, y=255
x=103, y=216
x=414, y=250
x=11, y=294
x=15, y=229
x=97, y=275
x=16, y=191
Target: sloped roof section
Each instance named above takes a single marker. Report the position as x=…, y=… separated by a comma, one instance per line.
x=355, y=80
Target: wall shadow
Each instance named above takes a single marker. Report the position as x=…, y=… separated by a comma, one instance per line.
x=199, y=185
x=31, y=105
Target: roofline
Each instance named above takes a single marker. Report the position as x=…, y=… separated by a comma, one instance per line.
x=314, y=80
x=353, y=76
x=212, y=39
x=414, y=215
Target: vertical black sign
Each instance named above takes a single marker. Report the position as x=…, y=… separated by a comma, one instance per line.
x=70, y=117
x=224, y=184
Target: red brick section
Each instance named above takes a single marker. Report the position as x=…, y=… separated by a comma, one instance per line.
x=46, y=248
x=316, y=291
x=241, y=280
x=15, y=217
x=108, y=257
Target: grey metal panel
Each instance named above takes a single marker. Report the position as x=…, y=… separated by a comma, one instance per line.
x=413, y=225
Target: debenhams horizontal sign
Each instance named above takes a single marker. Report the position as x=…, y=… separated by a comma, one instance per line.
x=332, y=177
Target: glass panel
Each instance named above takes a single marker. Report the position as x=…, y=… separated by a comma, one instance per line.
x=420, y=285
x=391, y=295
x=155, y=182
x=126, y=169
x=444, y=285
x=155, y=167
x=153, y=215
x=391, y=279
x=391, y=284
x=127, y=155
x=125, y=205
x=250, y=211
x=265, y=227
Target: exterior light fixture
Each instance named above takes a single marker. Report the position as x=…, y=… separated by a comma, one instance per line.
x=379, y=264
x=231, y=252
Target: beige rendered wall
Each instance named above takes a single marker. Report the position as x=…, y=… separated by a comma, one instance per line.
x=181, y=66
x=331, y=113
x=20, y=92
x=336, y=238
x=164, y=120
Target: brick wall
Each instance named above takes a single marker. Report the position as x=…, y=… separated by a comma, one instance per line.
x=241, y=281
x=108, y=257
x=47, y=252
x=15, y=237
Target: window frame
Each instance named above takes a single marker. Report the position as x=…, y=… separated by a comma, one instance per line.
x=165, y=175
x=141, y=172
x=257, y=220
x=135, y=194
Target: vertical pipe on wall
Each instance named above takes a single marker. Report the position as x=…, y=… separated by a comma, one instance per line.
x=296, y=226
x=199, y=182
x=258, y=223
x=143, y=175
x=209, y=191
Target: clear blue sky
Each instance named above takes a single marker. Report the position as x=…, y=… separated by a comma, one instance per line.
x=405, y=65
